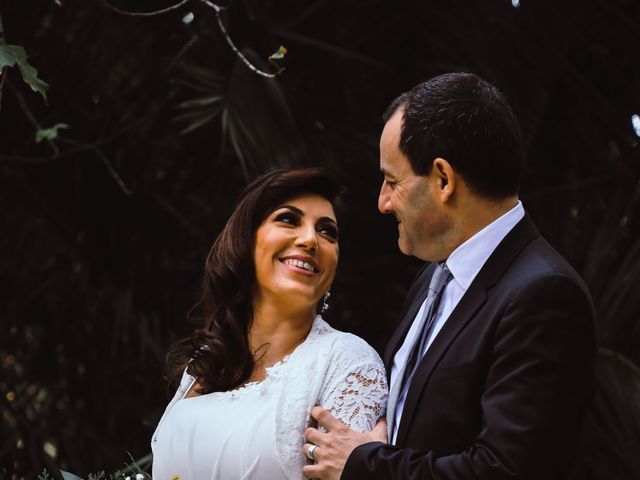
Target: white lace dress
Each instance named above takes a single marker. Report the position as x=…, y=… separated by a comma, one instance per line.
x=256, y=431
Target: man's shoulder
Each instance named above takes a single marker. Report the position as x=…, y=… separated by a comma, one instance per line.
x=540, y=268
x=540, y=259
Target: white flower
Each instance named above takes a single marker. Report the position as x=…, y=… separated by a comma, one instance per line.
x=139, y=476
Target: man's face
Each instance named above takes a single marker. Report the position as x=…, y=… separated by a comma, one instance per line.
x=411, y=198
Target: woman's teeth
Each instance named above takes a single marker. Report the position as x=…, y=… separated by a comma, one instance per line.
x=300, y=264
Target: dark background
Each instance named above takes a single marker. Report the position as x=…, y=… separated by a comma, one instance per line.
x=105, y=228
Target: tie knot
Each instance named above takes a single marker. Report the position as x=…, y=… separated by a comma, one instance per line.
x=440, y=278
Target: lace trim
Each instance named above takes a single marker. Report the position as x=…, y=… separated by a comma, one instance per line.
x=271, y=373
x=337, y=371
x=359, y=401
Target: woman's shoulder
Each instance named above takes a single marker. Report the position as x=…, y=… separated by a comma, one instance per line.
x=344, y=344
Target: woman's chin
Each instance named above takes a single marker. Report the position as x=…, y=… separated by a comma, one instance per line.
x=299, y=299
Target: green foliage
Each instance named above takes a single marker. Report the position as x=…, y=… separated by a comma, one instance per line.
x=132, y=471
x=255, y=117
x=44, y=475
x=259, y=123
x=50, y=133
x=611, y=439
x=12, y=55
x=209, y=103
x=71, y=476
x=96, y=284
x=278, y=54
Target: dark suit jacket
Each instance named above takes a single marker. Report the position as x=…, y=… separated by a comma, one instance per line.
x=503, y=389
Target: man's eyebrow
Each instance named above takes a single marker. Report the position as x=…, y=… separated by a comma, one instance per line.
x=385, y=173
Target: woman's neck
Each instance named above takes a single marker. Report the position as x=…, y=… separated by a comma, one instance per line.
x=275, y=332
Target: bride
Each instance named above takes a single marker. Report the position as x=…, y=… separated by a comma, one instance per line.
x=263, y=358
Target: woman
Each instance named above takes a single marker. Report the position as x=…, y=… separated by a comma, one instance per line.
x=264, y=358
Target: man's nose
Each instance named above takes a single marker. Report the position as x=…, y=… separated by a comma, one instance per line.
x=384, y=205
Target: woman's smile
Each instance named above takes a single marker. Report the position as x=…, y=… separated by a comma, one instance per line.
x=296, y=250
x=300, y=264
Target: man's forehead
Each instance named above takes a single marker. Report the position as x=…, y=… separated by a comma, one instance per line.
x=392, y=129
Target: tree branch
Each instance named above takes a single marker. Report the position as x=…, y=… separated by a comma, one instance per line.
x=113, y=173
x=218, y=9
x=3, y=71
x=1, y=29
x=79, y=146
x=30, y=116
x=226, y=36
x=145, y=14
x=3, y=75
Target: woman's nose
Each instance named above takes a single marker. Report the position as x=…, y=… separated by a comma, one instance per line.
x=307, y=237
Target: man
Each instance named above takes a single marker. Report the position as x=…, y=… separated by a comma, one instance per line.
x=491, y=368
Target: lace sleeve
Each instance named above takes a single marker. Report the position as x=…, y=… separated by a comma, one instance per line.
x=357, y=394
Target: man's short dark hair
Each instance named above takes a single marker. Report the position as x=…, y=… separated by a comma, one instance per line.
x=468, y=122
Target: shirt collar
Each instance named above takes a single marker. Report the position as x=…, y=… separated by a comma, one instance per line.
x=466, y=261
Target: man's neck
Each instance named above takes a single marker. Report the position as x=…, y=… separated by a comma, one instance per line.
x=479, y=212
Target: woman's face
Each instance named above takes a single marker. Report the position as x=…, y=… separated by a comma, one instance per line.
x=296, y=251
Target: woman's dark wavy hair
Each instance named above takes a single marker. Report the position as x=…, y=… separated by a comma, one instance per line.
x=218, y=353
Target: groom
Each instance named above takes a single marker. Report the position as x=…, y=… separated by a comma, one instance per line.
x=491, y=368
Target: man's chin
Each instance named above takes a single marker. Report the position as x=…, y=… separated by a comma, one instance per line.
x=404, y=248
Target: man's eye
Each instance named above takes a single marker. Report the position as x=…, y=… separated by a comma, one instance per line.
x=328, y=231
x=287, y=217
x=390, y=184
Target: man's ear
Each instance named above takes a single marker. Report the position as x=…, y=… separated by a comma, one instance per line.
x=445, y=177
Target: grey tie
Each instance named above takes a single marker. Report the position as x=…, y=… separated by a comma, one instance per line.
x=439, y=280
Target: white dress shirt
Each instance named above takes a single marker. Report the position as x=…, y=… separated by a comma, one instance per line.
x=464, y=264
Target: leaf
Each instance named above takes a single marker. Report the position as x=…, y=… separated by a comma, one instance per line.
x=259, y=123
x=69, y=476
x=279, y=54
x=49, y=133
x=199, y=121
x=11, y=55
x=611, y=435
x=201, y=102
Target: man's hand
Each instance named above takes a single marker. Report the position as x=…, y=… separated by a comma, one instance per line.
x=335, y=446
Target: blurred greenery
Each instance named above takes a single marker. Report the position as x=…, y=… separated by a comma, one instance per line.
x=106, y=224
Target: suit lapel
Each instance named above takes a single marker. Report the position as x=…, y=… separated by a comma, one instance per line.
x=491, y=272
x=415, y=298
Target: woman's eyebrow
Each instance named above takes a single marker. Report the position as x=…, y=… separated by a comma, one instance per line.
x=292, y=208
x=328, y=219
x=301, y=213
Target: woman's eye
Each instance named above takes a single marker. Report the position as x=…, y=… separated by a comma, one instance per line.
x=287, y=217
x=329, y=231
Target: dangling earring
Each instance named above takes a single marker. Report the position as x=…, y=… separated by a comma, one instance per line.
x=325, y=305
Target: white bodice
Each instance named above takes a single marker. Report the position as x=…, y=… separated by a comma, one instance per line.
x=257, y=430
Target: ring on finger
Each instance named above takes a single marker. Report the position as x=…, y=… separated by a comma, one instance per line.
x=309, y=452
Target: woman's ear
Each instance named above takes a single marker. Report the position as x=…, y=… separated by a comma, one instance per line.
x=446, y=178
